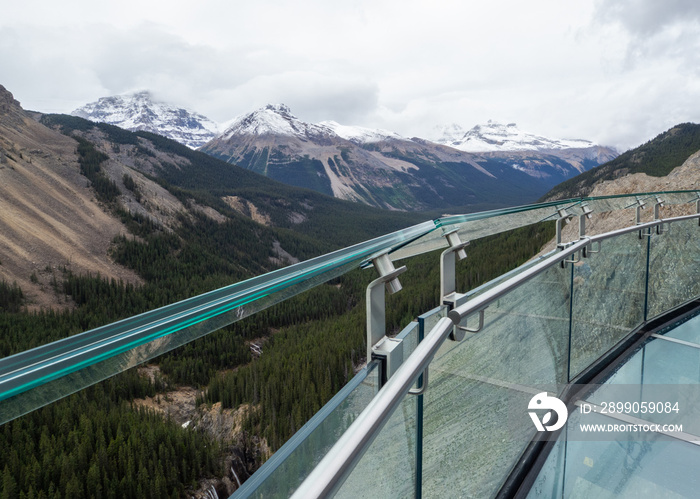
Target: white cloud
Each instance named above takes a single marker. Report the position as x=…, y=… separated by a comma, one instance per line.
x=617, y=72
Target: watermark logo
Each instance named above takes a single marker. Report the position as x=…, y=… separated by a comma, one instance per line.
x=556, y=412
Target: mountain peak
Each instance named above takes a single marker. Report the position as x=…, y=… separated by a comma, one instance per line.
x=278, y=119
x=272, y=119
x=139, y=110
x=498, y=137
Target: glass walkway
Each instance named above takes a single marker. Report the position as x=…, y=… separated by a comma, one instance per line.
x=633, y=463
x=448, y=408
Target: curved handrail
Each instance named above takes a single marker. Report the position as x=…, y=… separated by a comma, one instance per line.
x=335, y=466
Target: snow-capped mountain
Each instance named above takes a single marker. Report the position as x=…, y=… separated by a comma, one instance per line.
x=278, y=119
x=382, y=168
x=497, y=137
x=273, y=119
x=140, y=111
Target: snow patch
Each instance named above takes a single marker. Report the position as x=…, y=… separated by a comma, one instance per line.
x=360, y=135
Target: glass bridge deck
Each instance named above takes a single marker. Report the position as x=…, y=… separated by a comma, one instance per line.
x=628, y=464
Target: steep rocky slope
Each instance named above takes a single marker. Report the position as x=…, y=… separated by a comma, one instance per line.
x=683, y=178
x=657, y=158
x=48, y=215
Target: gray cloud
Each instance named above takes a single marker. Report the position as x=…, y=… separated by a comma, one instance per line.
x=648, y=17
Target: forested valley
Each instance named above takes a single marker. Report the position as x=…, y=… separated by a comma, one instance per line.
x=97, y=443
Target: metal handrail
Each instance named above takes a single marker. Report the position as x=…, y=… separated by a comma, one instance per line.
x=332, y=470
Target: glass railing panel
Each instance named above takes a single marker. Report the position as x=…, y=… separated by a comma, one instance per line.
x=608, y=298
x=37, y=377
x=428, y=320
x=677, y=197
x=409, y=337
x=473, y=226
x=282, y=474
x=388, y=467
x=669, y=363
x=661, y=374
x=504, y=277
x=607, y=204
x=674, y=267
x=475, y=409
x=621, y=202
x=634, y=463
x=476, y=225
x=637, y=459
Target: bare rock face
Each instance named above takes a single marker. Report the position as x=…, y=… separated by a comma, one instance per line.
x=685, y=177
x=49, y=218
x=7, y=101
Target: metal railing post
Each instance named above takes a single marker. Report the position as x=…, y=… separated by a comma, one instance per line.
x=378, y=345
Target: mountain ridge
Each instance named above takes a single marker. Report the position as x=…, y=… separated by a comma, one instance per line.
x=49, y=217
x=384, y=169
x=655, y=158
x=376, y=167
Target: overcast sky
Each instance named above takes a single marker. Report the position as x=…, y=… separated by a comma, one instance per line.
x=614, y=71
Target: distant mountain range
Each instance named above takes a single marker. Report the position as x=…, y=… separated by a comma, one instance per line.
x=384, y=169
x=496, y=137
x=490, y=165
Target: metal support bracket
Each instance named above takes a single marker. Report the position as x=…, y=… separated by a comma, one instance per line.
x=657, y=208
x=663, y=228
x=697, y=203
x=588, y=250
x=424, y=384
x=573, y=259
x=457, y=333
x=587, y=214
x=638, y=211
x=389, y=351
x=448, y=258
x=564, y=218
x=376, y=310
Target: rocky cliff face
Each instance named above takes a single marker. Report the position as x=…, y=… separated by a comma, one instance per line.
x=683, y=178
x=7, y=101
x=49, y=217
x=11, y=113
